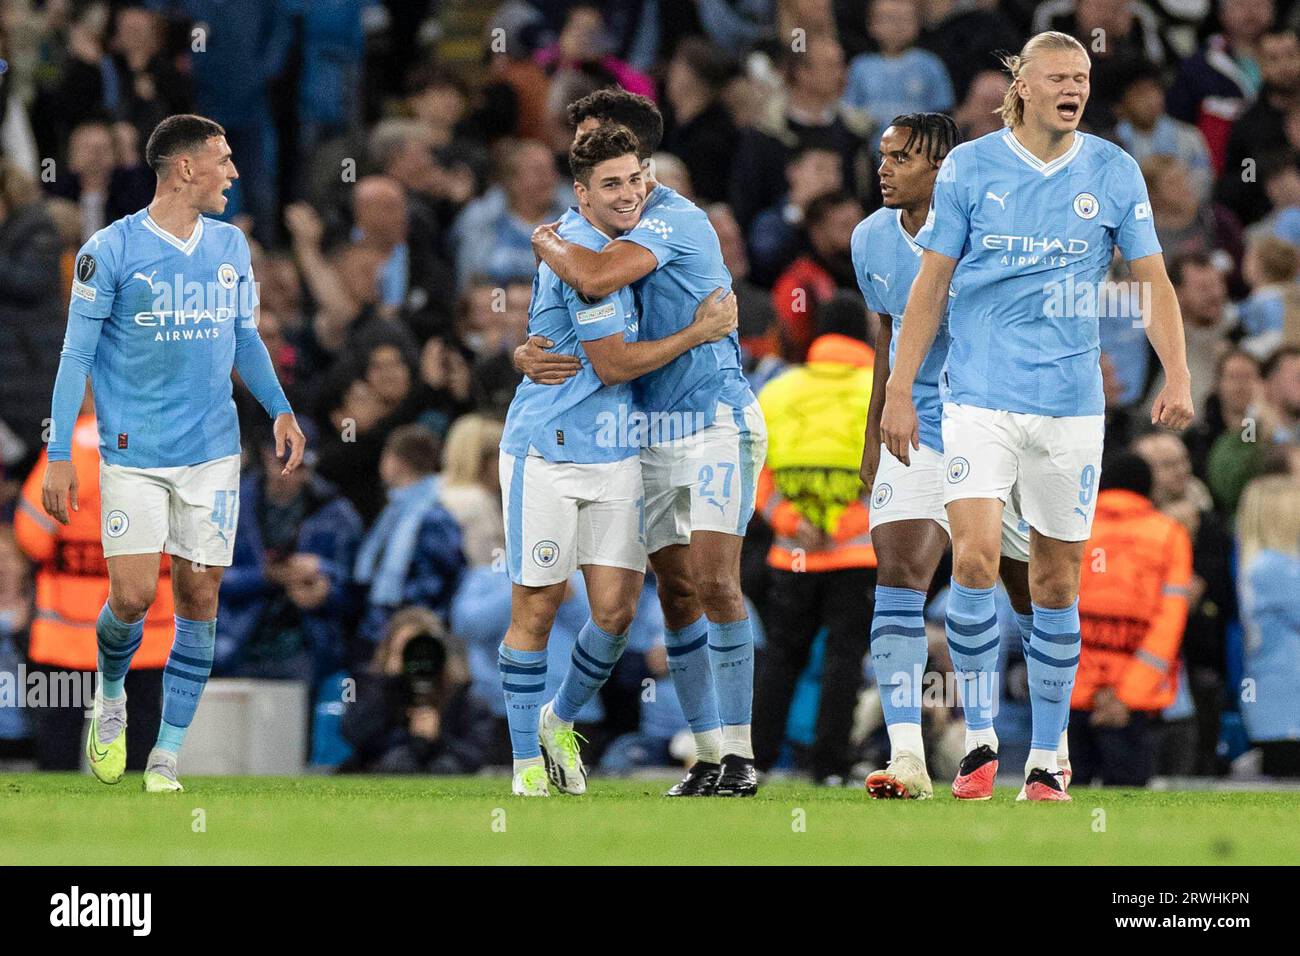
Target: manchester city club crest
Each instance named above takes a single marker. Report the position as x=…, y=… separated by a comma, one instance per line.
x=1086, y=206
x=116, y=523
x=880, y=497
x=545, y=553
x=958, y=469
x=227, y=276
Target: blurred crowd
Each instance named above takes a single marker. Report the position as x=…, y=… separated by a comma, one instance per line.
x=396, y=156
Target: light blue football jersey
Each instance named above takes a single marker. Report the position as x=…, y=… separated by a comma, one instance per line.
x=886, y=260
x=1034, y=241
x=690, y=267
x=581, y=420
x=173, y=313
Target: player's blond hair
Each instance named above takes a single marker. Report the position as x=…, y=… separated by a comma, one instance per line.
x=1268, y=517
x=1012, y=110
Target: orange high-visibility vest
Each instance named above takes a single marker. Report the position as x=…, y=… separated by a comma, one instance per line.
x=1137, y=567
x=72, y=576
x=816, y=417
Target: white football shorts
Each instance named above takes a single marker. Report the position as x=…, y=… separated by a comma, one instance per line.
x=1053, y=463
x=705, y=481
x=561, y=515
x=188, y=511
x=908, y=492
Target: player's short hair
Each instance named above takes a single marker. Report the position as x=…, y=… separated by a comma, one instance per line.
x=615, y=105
x=1012, y=109
x=608, y=141
x=934, y=134
x=175, y=135
x=416, y=447
x=1125, y=470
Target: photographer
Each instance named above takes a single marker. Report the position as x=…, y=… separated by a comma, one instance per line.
x=413, y=712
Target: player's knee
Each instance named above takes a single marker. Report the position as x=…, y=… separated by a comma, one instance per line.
x=196, y=596
x=720, y=594
x=1053, y=590
x=130, y=602
x=614, y=620
x=975, y=569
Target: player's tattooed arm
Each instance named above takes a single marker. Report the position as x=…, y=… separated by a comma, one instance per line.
x=542, y=367
x=898, y=425
x=617, y=361
x=1164, y=328
x=880, y=375
x=593, y=274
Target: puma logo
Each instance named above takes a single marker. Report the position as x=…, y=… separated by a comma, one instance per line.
x=883, y=280
x=147, y=279
x=1000, y=200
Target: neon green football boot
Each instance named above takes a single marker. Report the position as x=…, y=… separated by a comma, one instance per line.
x=107, y=759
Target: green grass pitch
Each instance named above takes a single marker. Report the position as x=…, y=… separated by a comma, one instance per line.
x=71, y=819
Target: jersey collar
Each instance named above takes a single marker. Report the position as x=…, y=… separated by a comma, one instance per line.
x=188, y=246
x=898, y=218
x=1034, y=162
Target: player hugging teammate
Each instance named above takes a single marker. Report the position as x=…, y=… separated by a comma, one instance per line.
x=1017, y=217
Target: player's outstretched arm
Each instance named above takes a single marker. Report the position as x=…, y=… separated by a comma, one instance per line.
x=616, y=361
x=593, y=274
x=898, y=426
x=880, y=374
x=1164, y=327
x=59, y=489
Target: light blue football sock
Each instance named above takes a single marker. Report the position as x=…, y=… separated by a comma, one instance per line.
x=523, y=681
x=184, y=677
x=899, y=652
x=972, y=627
x=692, y=674
x=117, y=643
x=595, y=653
x=731, y=656
x=1052, y=661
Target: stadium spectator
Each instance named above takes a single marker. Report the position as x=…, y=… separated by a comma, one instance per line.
x=1268, y=530
x=964, y=34
x=672, y=172
x=1132, y=612
x=284, y=602
x=103, y=191
x=978, y=113
x=1208, y=317
x=1281, y=181
x=901, y=77
x=698, y=127
x=71, y=588
x=1190, y=743
x=141, y=86
x=1220, y=80
x=1236, y=384
x=823, y=565
x=1261, y=127
x=245, y=46
x=471, y=487
x=1270, y=268
x=754, y=304
x=1273, y=417
x=776, y=236
x=32, y=307
x=492, y=235
x=1145, y=129
x=413, y=711
x=811, y=109
x=584, y=47
x=1185, y=223
x=815, y=276
x=412, y=553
